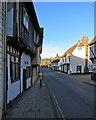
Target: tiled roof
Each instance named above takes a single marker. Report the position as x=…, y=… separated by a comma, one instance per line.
x=57, y=57
x=93, y=41
x=70, y=50
x=55, y=61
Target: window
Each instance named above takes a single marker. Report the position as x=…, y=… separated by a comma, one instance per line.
x=14, y=71
x=25, y=19
x=79, y=48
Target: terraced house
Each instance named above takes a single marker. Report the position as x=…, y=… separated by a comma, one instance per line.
x=24, y=41
x=75, y=59
x=20, y=47
x=55, y=63
x=92, y=55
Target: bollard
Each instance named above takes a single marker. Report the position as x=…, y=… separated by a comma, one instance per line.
x=40, y=83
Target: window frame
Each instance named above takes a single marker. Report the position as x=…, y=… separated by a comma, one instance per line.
x=14, y=72
x=25, y=14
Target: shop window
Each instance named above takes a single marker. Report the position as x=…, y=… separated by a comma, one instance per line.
x=15, y=71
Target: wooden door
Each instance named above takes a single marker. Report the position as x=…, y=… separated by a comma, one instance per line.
x=24, y=79
x=78, y=69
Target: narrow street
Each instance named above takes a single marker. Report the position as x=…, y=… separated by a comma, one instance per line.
x=74, y=96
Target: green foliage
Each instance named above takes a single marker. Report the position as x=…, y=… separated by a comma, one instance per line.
x=47, y=60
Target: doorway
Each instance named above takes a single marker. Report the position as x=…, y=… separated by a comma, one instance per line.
x=78, y=69
x=24, y=79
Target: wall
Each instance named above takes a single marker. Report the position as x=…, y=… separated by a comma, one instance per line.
x=0, y=60
x=13, y=88
x=77, y=59
x=36, y=59
x=34, y=74
x=25, y=58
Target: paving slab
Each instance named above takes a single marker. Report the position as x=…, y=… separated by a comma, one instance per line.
x=35, y=103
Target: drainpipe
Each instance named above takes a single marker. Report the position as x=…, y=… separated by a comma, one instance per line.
x=4, y=58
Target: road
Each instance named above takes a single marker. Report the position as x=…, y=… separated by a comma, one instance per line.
x=75, y=98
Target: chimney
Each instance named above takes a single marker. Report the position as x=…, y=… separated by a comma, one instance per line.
x=85, y=41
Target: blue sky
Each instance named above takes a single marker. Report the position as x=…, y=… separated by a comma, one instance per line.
x=64, y=24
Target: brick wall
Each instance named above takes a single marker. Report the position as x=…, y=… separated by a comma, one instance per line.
x=0, y=60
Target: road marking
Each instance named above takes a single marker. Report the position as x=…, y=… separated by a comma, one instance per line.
x=60, y=111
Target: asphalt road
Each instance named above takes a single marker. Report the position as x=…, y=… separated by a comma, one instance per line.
x=75, y=98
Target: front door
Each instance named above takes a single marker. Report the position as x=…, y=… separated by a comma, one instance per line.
x=24, y=79
x=78, y=69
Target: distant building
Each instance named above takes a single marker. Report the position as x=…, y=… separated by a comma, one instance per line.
x=75, y=59
x=55, y=63
x=44, y=65
x=92, y=56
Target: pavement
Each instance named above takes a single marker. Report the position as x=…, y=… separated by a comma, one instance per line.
x=36, y=102
x=86, y=79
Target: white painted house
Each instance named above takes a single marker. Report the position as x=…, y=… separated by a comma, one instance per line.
x=75, y=59
x=55, y=63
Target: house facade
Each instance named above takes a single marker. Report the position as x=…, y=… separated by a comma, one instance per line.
x=75, y=59
x=55, y=63
x=24, y=39
x=92, y=55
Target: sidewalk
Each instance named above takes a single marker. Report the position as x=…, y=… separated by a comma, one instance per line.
x=90, y=82
x=34, y=103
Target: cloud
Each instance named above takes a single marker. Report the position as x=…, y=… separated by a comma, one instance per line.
x=51, y=52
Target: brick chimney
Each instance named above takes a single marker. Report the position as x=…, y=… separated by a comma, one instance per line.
x=85, y=41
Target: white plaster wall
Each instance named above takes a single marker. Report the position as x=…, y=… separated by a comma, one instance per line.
x=77, y=59
x=28, y=83
x=13, y=88
x=79, y=53
x=65, y=68
x=25, y=58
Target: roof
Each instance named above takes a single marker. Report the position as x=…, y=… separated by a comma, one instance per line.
x=55, y=61
x=57, y=57
x=70, y=50
x=93, y=41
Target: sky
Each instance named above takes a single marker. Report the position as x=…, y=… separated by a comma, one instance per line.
x=64, y=24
